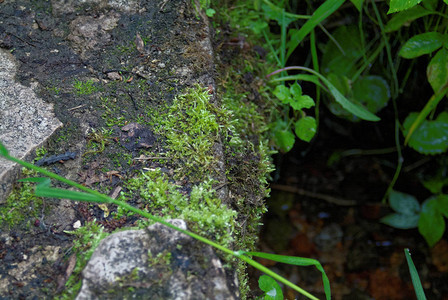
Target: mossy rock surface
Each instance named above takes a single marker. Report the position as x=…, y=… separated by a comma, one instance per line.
x=134, y=85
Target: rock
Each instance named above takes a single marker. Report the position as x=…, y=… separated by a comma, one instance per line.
x=26, y=121
x=157, y=263
x=90, y=33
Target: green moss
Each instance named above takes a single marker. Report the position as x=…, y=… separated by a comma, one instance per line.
x=84, y=87
x=21, y=205
x=201, y=209
x=40, y=153
x=163, y=258
x=192, y=125
x=111, y=114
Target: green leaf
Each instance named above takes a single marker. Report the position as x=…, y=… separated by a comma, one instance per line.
x=431, y=224
x=404, y=203
x=401, y=221
x=399, y=5
x=276, y=13
x=355, y=109
x=258, y=26
x=372, y=92
x=282, y=93
x=3, y=150
x=320, y=14
x=305, y=128
x=43, y=189
x=422, y=44
x=210, y=12
x=429, y=106
x=431, y=137
x=357, y=4
x=302, y=102
x=296, y=90
x=271, y=288
x=404, y=18
x=437, y=70
x=435, y=185
x=442, y=204
x=419, y=292
x=297, y=261
x=282, y=136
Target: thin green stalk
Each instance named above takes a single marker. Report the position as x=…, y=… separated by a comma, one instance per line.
x=271, y=48
x=395, y=90
x=388, y=51
x=315, y=59
x=368, y=61
x=284, y=26
x=400, y=161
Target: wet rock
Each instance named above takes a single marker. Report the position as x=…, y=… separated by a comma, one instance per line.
x=26, y=121
x=91, y=33
x=157, y=263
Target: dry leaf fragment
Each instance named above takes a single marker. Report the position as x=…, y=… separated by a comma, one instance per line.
x=139, y=44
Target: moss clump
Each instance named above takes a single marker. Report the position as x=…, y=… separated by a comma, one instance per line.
x=84, y=87
x=21, y=204
x=201, y=209
x=192, y=125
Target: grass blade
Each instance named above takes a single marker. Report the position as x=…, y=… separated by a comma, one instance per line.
x=414, y=276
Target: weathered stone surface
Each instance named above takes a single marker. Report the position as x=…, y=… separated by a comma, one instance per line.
x=26, y=121
x=157, y=263
x=64, y=49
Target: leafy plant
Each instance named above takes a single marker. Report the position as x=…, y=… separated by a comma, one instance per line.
x=428, y=217
x=43, y=189
x=304, y=126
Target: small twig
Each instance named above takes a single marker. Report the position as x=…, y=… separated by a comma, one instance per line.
x=18, y=37
x=123, y=71
x=220, y=186
x=76, y=107
x=150, y=157
x=417, y=164
x=302, y=192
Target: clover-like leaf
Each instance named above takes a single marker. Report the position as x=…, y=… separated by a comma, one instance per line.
x=401, y=221
x=282, y=136
x=399, y=5
x=405, y=17
x=404, y=203
x=431, y=223
x=295, y=90
x=431, y=137
x=282, y=93
x=305, y=128
x=437, y=70
x=271, y=288
x=372, y=92
x=421, y=44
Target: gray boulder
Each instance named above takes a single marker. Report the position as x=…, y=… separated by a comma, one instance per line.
x=156, y=263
